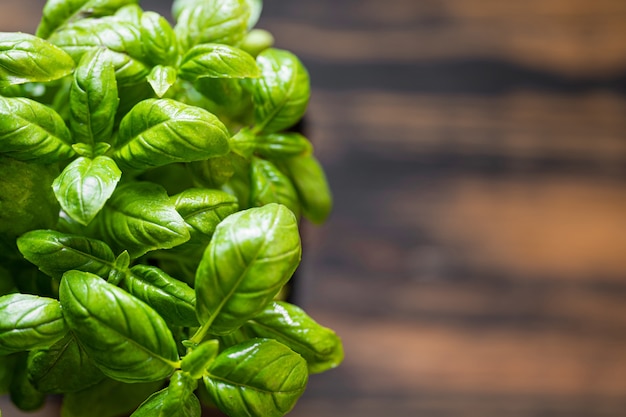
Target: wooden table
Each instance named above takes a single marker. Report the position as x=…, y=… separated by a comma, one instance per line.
x=475, y=263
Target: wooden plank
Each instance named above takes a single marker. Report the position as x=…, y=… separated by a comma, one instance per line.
x=522, y=125
x=568, y=37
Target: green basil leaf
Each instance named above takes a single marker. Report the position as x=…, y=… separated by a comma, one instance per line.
x=23, y=394
x=282, y=145
x=257, y=41
x=57, y=13
x=243, y=143
x=85, y=185
x=139, y=218
x=203, y=209
x=108, y=398
x=307, y=175
x=27, y=58
x=122, y=38
x=217, y=61
x=32, y=131
x=174, y=300
x=282, y=93
x=29, y=322
x=64, y=367
x=177, y=400
x=26, y=201
x=93, y=98
x=161, y=78
x=198, y=360
x=55, y=253
x=218, y=21
x=211, y=173
x=261, y=376
x=159, y=40
x=269, y=185
x=253, y=253
x=164, y=131
x=130, y=13
x=122, y=335
x=290, y=325
x=256, y=7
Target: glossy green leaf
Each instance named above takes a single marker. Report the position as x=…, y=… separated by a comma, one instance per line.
x=308, y=176
x=29, y=322
x=258, y=378
x=217, y=61
x=159, y=40
x=62, y=368
x=32, y=131
x=257, y=41
x=177, y=400
x=26, y=201
x=164, y=131
x=256, y=7
x=203, y=209
x=57, y=13
x=85, y=185
x=244, y=142
x=122, y=335
x=27, y=58
x=269, y=185
x=54, y=253
x=282, y=145
x=217, y=21
x=122, y=38
x=198, y=360
x=281, y=94
x=139, y=217
x=253, y=253
x=161, y=78
x=93, y=98
x=290, y=325
x=108, y=398
x=130, y=13
x=174, y=300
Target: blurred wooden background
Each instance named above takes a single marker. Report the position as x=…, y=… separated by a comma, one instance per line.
x=475, y=263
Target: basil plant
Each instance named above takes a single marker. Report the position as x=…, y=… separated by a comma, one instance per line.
x=150, y=197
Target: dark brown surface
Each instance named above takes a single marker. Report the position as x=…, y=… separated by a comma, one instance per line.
x=475, y=263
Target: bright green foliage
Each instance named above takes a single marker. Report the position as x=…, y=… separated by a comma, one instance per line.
x=29, y=322
x=150, y=198
x=27, y=58
x=291, y=326
x=281, y=94
x=161, y=132
x=124, y=337
x=85, y=185
x=31, y=131
x=253, y=253
x=55, y=253
x=261, y=376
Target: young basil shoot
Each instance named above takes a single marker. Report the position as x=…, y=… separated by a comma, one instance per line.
x=150, y=198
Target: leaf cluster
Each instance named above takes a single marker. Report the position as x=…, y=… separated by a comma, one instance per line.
x=150, y=196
